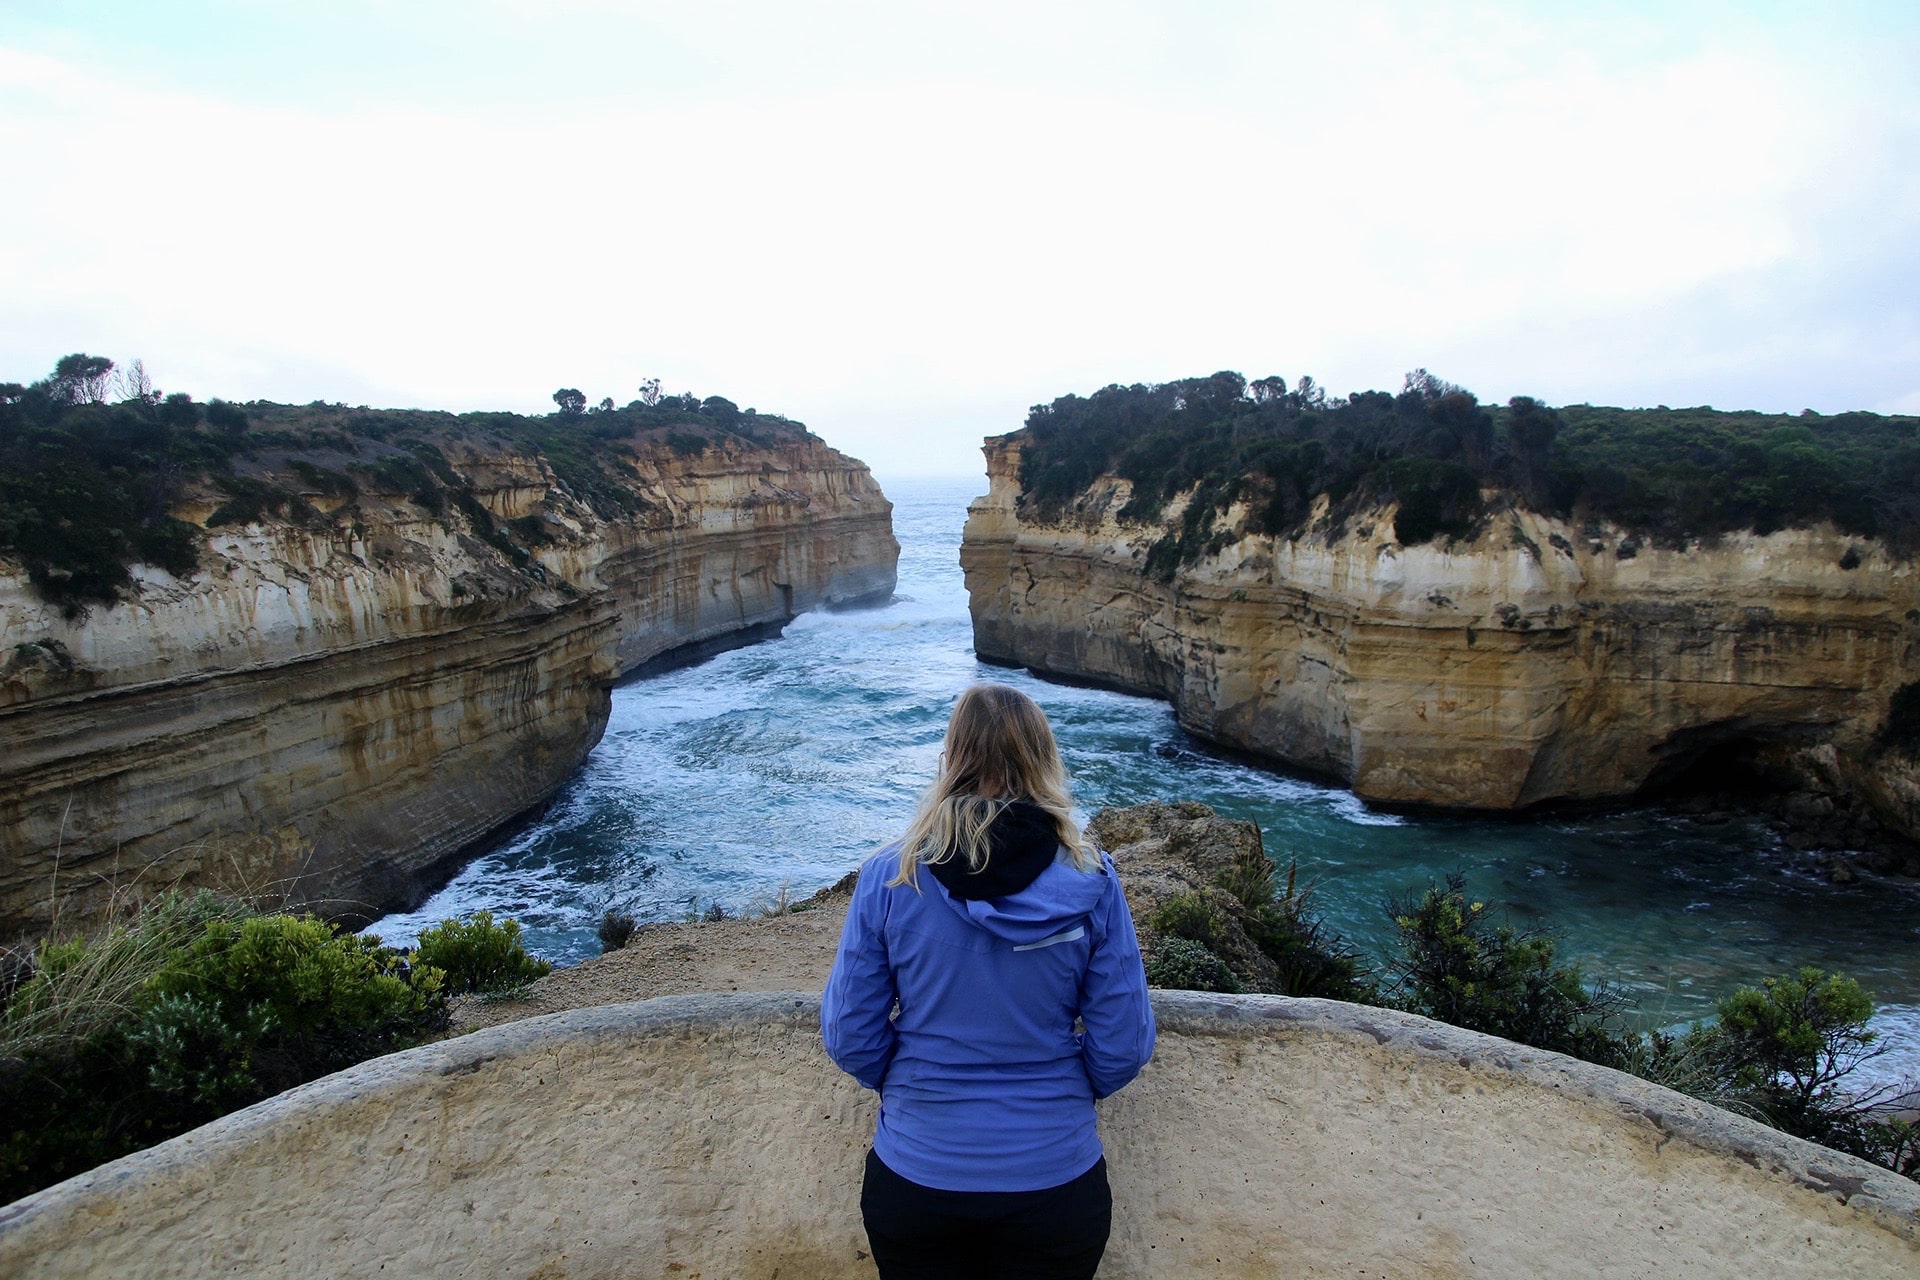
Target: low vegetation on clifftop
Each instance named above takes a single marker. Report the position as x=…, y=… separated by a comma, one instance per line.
x=94, y=461
x=1433, y=449
x=192, y=1006
x=197, y=1005
x=1214, y=916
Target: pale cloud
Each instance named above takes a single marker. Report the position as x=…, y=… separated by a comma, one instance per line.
x=868, y=219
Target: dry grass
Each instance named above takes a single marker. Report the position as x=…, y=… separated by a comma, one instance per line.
x=70, y=987
x=780, y=902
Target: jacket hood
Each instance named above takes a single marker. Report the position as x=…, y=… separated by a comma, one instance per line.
x=1021, y=843
x=1046, y=894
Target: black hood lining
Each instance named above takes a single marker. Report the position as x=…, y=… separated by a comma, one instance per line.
x=1022, y=842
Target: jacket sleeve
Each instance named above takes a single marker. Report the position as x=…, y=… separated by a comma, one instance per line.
x=1113, y=998
x=856, y=1010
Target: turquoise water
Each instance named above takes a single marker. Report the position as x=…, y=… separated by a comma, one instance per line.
x=778, y=767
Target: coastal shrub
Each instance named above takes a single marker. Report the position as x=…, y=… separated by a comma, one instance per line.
x=84, y=489
x=330, y=998
x=180, y=1011
x=1194, y=917
x=1691, y=1062
x=1785, y=1053
x=616, y=930
x=1436, y=498
x=248, y=501
x=1183, y=964
x=324, y=479
x=65, y=990
x=531, y=529
x=1454, y=964
x=478, y=955
x=1312, y=959
x=198, y=1055
x=228, y=419
x=1894, y=1142
x=1249, y=918
x=1787, y=1047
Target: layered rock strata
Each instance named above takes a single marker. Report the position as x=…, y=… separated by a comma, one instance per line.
x=1542, y=660
x=329, y=710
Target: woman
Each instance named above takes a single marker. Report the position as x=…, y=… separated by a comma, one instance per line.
x=985, y=1161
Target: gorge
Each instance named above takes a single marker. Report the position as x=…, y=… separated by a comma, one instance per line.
x=400, y=634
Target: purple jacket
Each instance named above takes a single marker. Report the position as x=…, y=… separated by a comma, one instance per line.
x=985, y=1084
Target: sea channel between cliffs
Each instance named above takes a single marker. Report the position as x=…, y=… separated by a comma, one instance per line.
x=773, y=770
x=818, y=738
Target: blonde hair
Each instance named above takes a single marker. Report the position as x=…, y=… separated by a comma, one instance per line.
x=999, y=749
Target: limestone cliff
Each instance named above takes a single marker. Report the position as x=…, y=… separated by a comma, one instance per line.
x=1540, y=660
x=337, y=702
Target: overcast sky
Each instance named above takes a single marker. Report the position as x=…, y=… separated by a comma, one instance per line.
x=905, y=222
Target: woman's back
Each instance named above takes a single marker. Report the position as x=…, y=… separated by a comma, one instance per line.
x=986, y=1083
x=989, y=985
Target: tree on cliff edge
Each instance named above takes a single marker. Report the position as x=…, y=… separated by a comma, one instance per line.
x=570, y=400
x=81, y=378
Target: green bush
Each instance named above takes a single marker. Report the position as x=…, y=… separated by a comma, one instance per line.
x=1247, y=916
x=1185, y=965
x=199, y=1054
x=180, y=1012
x=1787, y=1047
x=248, y=501
x=1784, y=1053
x=478, y=955
x=1455, y=965
x=331, y=998
x=1312, y=961
x=1193, y=917
x=1436, y=498
x=66, y=990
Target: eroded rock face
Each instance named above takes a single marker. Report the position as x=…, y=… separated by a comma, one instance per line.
x=1542, y=661
x=329, y=713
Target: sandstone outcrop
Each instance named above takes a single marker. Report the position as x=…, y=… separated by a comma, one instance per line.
x=710, y=1136
x=1543, y=660
x=1184, y=850
x=330, y=709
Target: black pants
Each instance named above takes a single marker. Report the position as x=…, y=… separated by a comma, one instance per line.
x=919, y=1233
